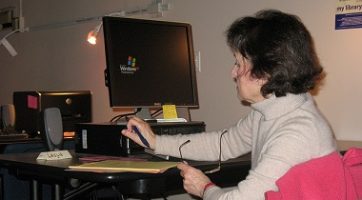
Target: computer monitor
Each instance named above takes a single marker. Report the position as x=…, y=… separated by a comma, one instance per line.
x=149, y=63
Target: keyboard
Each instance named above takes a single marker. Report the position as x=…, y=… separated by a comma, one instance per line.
x=13, y=136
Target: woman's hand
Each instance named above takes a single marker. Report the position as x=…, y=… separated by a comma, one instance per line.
x=194, y=180
x=144, y=128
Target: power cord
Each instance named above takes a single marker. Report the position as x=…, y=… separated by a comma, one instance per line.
x=119, y=117
x=156, y=113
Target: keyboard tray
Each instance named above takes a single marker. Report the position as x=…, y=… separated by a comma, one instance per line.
x=13, y=136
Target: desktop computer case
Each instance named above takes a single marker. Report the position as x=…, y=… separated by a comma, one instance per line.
x=75, y=107
x=106, y=138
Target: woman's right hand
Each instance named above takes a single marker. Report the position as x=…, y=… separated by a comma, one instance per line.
x=194, y=180
x=144, y=128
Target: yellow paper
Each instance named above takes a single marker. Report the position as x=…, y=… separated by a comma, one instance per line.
x=169, y=111
x=126, y=166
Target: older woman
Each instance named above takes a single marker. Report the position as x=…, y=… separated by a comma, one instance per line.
x=275, y=68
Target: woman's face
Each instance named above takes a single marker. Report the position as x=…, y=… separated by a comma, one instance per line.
x=248, y=87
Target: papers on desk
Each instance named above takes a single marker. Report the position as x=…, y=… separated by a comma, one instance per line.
x=98, y=158
x=125, y=166
x=171, y=120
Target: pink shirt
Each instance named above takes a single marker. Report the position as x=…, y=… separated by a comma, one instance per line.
x=330, y=177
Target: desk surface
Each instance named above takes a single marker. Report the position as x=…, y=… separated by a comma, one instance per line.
x=344, y=145
x=25, y=166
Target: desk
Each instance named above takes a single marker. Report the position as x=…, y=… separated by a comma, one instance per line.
x=17, y=189
x=344, y=145
x=25, y=166
x=29, y=145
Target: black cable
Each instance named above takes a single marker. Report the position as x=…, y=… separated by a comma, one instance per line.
x=118, y=117
x=156, y=113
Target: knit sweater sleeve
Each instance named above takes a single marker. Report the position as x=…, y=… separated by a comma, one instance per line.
x=260, y=179
x=207, y=144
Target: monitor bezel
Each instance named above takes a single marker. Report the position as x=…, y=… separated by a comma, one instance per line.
x=192, y=65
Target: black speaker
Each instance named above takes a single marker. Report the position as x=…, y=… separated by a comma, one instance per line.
x=74, y=106
x=53, y=129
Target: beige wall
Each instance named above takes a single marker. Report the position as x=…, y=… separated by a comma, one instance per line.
x=60, y=59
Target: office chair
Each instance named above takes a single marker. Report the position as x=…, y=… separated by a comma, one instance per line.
x=53, y=129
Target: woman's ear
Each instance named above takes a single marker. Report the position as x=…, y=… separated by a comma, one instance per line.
x=261, y=81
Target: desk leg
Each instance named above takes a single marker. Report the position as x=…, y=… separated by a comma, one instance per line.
x=58, y=192
x=34, y=189
x=2, y=187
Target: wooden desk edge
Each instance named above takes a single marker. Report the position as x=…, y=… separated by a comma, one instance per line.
x=344, y=145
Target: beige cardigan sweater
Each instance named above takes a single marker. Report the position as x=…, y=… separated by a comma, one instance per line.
x=280, y=132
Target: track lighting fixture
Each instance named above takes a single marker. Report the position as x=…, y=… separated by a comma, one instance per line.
x=7, y=44
x=92, y=35
x=9, y=47
x=156, y=8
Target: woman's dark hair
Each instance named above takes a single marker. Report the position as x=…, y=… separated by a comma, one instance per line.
x=280, y=49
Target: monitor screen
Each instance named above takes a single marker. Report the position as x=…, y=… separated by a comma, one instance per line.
x=149, y=63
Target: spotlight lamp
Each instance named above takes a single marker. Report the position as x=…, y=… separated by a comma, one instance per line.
x=156, y=7
x=92, y=35
x=7, y=45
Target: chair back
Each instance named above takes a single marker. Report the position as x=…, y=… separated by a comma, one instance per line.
x=53, y=129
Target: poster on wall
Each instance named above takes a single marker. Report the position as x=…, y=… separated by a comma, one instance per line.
x=348, y=14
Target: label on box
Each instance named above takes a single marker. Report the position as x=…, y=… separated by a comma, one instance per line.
x=54, y=155
x=84, y=139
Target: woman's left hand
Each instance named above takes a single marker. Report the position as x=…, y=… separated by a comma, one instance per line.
x=194, y=179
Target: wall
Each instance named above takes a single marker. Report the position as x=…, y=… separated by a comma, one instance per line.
x=60, y=59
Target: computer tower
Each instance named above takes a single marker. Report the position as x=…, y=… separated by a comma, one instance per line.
x=106, y=138
x=75, y=107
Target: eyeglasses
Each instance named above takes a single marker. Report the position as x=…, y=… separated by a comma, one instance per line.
x=219, y=164
x=179, y=149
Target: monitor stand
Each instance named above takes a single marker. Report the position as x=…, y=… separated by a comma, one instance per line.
x=144, y=113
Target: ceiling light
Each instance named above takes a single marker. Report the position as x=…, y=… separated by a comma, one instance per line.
x=92, y=35
x=7, y=45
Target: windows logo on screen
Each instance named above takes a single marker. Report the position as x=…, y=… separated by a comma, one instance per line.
x=131, y=61
x=130, y=67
